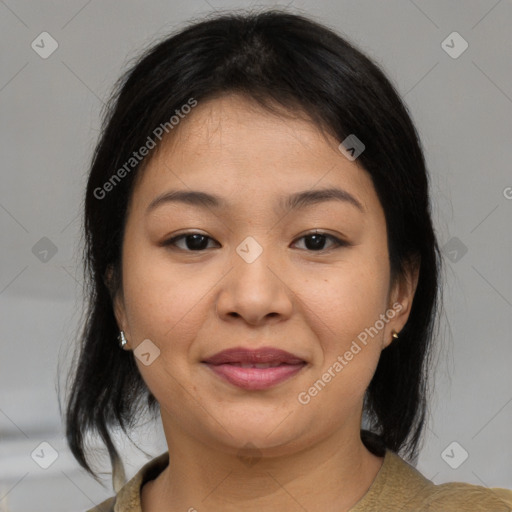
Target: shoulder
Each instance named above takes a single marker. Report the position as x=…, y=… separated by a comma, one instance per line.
x=423, y=495
x=105, y=506
x=128, y=497
x=458, y=496
x=401, y=487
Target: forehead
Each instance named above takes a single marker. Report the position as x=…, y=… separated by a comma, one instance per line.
x=233, y=146
x=236, y=126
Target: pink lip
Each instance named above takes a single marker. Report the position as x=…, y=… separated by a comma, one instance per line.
x=226, y=364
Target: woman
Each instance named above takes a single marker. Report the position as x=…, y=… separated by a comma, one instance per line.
x=259, y=240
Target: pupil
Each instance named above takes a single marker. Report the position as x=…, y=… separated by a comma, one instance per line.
x=318, y=242
x=197, y=243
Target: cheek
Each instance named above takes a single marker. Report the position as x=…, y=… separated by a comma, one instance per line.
x=172, y=307
x=160, y=301
x=356, y=297
x=168, y=308
x=348, y=300
x=342, y=310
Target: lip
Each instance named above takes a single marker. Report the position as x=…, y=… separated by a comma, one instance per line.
x=228, y=366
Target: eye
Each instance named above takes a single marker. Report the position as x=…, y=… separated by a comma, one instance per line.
x=193, y=242
x=315, y=241
x=196, y=242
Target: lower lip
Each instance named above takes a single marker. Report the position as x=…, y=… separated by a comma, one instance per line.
x=255, y=378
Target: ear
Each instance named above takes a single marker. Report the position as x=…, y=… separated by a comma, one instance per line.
x=116, y=294
x=400, y=299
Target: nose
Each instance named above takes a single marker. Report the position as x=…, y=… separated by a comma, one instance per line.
x=255, y=292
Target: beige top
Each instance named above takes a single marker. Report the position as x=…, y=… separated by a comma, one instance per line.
x=398, y=487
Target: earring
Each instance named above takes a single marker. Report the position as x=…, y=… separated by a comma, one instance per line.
x=122, y=339
x=395, y=335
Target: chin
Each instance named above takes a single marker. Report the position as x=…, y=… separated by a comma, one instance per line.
x=262, y=429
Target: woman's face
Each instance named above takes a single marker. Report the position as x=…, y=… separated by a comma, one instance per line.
x=256, y=276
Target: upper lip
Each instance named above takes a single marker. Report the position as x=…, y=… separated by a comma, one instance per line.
x=253, y=356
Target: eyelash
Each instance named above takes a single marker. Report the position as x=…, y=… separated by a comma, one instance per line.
x=337, y=241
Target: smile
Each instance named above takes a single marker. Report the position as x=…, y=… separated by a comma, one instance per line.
x=255, y=369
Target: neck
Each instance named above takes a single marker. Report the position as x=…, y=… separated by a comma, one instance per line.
x=332, y=475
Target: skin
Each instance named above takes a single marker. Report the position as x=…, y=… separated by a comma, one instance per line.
x=312, y=303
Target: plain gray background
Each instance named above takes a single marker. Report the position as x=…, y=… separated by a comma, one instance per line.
x=50, y=119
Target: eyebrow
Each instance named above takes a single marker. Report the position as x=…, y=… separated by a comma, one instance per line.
x=294, y=201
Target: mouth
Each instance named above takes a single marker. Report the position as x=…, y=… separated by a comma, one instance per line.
x=255, y=369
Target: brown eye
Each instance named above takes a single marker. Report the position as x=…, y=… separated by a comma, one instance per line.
x=316, y=242
x=192, y=242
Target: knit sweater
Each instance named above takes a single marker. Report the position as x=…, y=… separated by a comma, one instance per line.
x=398, y=487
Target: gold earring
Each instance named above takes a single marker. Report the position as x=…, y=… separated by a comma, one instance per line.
x=395, y=335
